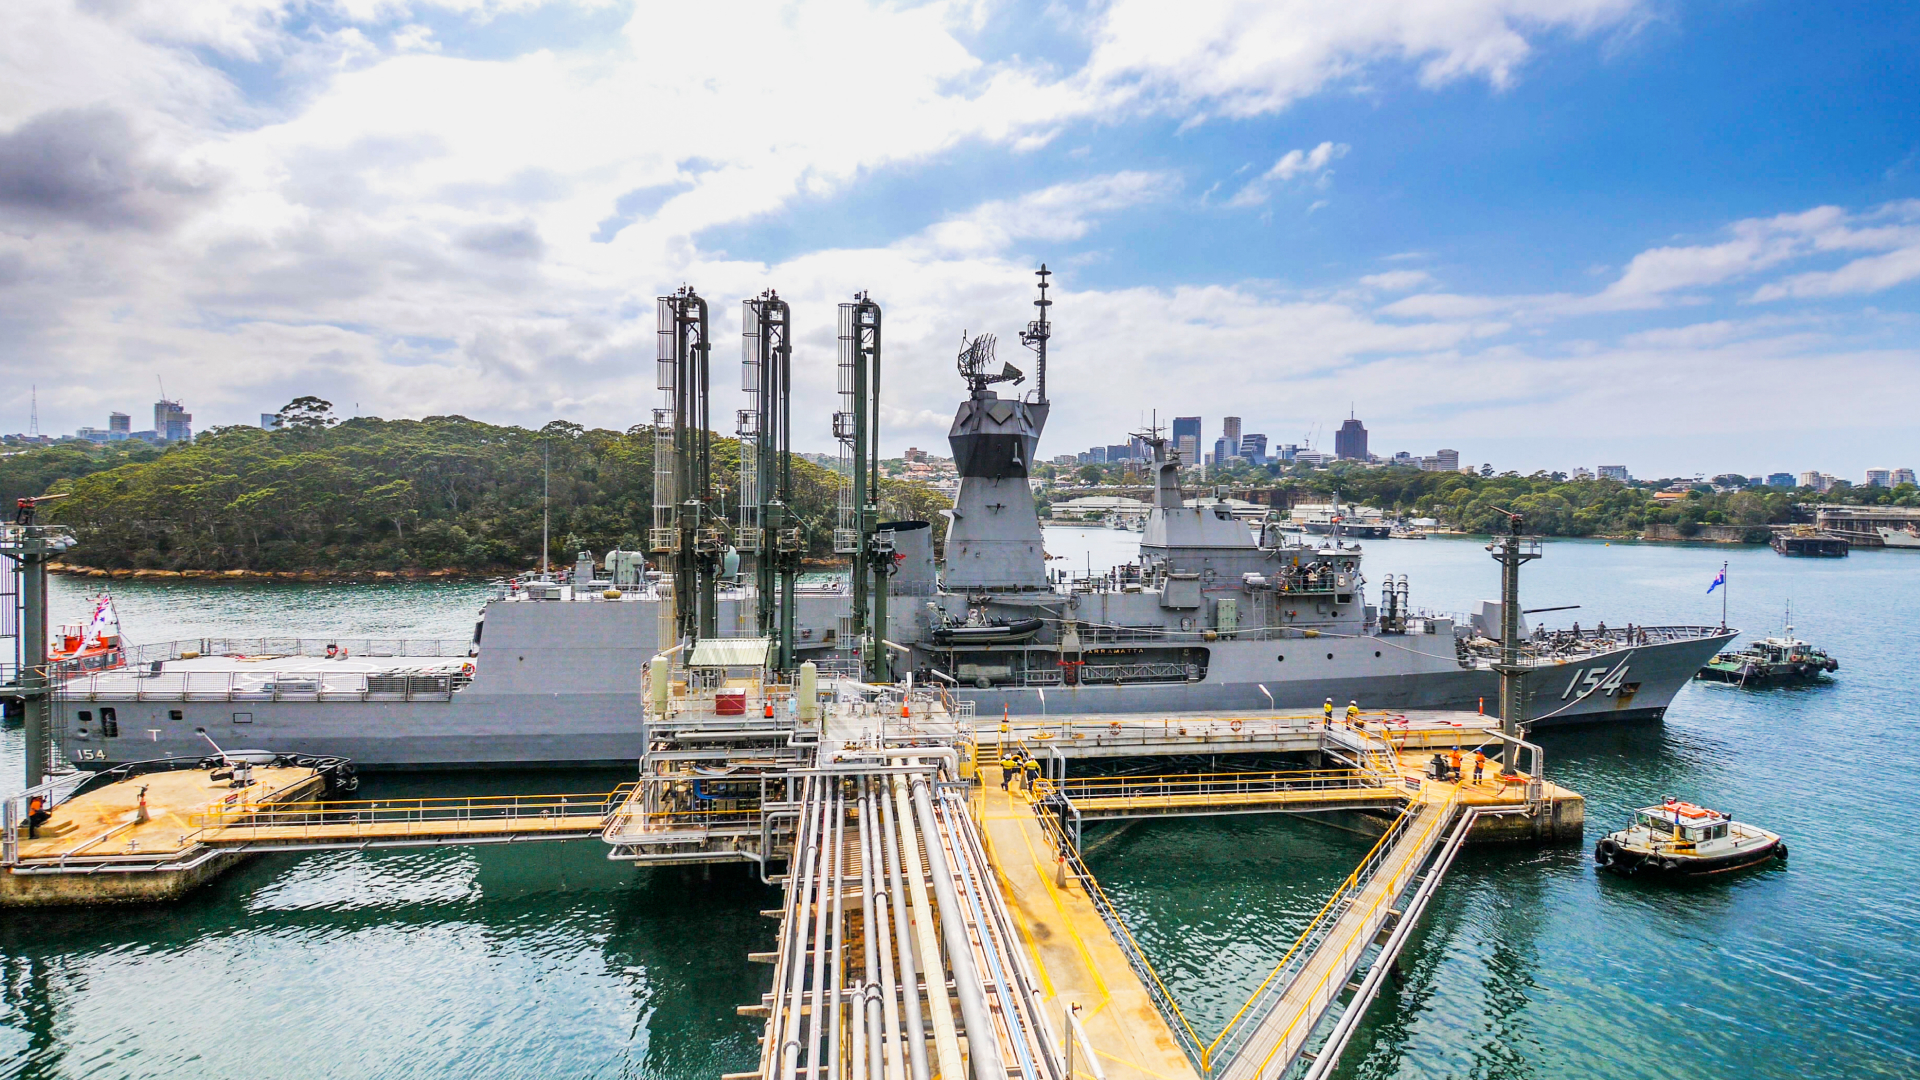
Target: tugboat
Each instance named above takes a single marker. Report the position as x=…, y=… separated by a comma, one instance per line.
x=1680, y=839
x=1773, y=661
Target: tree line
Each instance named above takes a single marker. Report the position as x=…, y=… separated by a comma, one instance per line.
x=368, y=494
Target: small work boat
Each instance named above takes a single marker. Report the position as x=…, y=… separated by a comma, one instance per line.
x=1771, y=661
x=1680, y=839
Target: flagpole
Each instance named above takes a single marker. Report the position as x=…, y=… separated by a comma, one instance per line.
x=1723, y=596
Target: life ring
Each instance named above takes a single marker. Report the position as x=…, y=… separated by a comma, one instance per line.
x=1235, y=725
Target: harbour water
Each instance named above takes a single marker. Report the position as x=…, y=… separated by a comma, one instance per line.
x=548, y=960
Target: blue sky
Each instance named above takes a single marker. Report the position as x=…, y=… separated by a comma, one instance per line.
x=1682, y=237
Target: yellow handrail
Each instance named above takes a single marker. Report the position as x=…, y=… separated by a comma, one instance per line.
x=1444, y=811
x=1346, y=886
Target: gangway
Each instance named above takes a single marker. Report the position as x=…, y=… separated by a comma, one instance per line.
x=256, y=828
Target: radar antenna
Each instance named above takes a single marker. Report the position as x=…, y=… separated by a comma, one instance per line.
x=976, y=363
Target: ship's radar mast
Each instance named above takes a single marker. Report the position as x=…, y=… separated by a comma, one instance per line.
x=1036, y=334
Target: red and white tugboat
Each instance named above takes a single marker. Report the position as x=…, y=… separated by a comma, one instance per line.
x=82, y=649
x=1679, y=839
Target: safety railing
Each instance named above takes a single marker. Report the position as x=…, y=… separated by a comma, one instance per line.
x=265, y=686
x=1179, y=1025
x=386, y=818
x=1254, y=1015
x=273, y=647
x=1223, y=787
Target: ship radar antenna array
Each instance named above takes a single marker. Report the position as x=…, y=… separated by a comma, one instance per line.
x=976, y=362
x=1036, y=334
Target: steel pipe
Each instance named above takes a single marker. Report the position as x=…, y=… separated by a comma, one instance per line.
x=876, y=916
x=946, y=1043
x=983, y=1043
x=909, y=979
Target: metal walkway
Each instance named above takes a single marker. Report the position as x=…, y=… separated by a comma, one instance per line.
x=1272, y=1030
x=308, y=826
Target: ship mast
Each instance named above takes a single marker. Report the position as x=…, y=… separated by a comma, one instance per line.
x=1036, y=334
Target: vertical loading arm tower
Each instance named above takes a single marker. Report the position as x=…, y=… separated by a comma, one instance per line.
x=1511, y=552
x=31, y=547
x=766, y=469
x=683, y=525
x=857, y=427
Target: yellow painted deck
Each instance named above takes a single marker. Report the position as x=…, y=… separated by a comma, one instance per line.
x=103, y=822
x=1077, y=959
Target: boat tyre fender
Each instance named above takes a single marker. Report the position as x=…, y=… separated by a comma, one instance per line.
x=1669, y=865
x=1780, y=851
x=1604, y=852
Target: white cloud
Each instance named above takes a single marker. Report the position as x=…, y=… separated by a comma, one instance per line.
x=1060, y=212
x=1397, y=280
x=1246, y=57
x=1291, y=164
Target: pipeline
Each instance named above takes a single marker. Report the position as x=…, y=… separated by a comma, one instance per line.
x=888, y=839
x=787, y=1038
x=983, y=1045
x=817, y=1022
x=876, y=915
x=837, y=991
x=946, y=1043
x=1017, y=1033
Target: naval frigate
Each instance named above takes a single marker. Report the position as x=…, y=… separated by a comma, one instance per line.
x=1211, y=617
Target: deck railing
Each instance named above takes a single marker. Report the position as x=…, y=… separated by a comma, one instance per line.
x=264, y=686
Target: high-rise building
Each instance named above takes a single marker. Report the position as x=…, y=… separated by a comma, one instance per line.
x=270, y=421
x=1189, y=448
x=1780, y=479
x=1119, y=452
x=1614, y=472
x=1880, y=478
x=1185, y=426
x=1350, y=442
x=1230, y=431
x=1097, y=455
x=1449, y=460
x=1902, y=476
x=1223, y=450
x=1253, y=447
x=171, y=422
x=119, y=422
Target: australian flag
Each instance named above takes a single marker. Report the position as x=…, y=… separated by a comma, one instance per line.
x=1718, y=581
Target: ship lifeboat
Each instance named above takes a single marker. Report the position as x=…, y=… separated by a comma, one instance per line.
x=986, y=633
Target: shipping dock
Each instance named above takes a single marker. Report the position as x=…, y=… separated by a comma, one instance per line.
x=938, y=917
